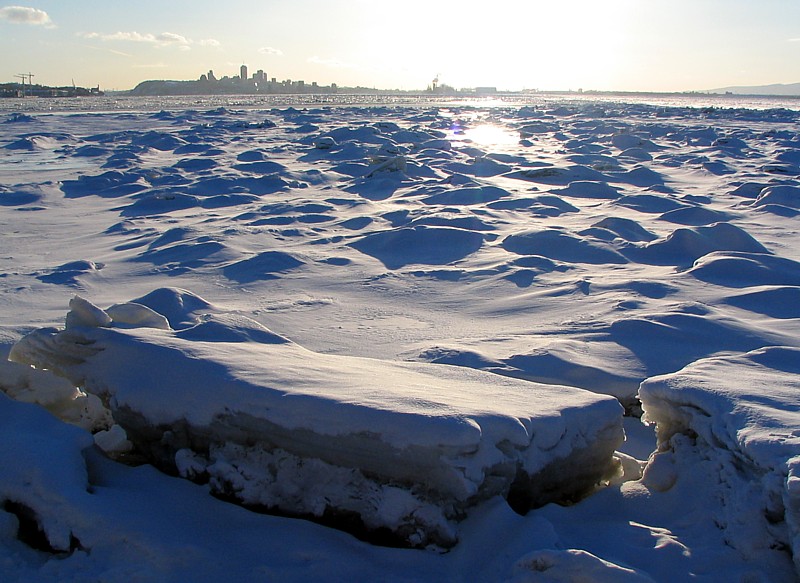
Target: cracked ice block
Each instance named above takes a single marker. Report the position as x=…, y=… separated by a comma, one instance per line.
x=408, y=447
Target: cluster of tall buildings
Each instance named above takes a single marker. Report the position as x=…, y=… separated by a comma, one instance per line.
x=259, y=82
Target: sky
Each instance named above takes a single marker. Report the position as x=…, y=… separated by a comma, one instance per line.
x=630, y=45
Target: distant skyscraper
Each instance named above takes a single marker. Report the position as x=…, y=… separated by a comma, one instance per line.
x=243, y=73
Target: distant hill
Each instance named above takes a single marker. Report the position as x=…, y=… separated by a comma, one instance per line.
x=151, y=88
x=785, y=89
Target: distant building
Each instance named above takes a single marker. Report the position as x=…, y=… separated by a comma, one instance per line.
x=210, y=84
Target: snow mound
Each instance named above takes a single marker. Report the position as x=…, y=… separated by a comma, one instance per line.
x=69, y=272
x=746, y=269
x=784, y=195
x=408, y=447
x=744, y=412
x=589, y=189
x=625, y=229
x=21, y=195
x=33, y=143
x=427, y=245
x=563, y=246
x=683, y=246
x=628, y=141
x=265, y=265
x=693, y=215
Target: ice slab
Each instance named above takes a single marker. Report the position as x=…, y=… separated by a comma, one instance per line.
x=743, y=410
x=402, y=446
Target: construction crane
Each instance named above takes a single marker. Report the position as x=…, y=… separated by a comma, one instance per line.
x=29, y=77
x=22, y=76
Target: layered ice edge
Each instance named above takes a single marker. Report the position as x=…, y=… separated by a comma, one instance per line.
x=741, y=411
x=401, y=447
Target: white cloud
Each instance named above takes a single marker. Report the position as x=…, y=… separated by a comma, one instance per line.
x=163, y=39
x=121, y=36
x=172, y=38
x=209, y=42
x=270, y=51
x=25, y=15
x=333, y=63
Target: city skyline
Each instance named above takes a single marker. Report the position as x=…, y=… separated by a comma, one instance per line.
x=603, y=45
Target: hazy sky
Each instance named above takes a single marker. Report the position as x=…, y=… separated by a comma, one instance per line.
x=653, y=45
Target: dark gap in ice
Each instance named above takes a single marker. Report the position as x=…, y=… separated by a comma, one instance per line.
x=343, y=520
x=531, y=492
x=31, y=533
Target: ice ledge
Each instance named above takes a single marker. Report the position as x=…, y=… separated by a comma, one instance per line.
x=743, y=411
x=404, y=446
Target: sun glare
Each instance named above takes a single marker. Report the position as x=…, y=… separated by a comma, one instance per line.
x=482, y=134
x=490, y=135
x=542, y=45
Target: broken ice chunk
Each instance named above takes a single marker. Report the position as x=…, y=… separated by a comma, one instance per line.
x=404, y=446
x=743, y=411
x=84, y=313
x=137, y=315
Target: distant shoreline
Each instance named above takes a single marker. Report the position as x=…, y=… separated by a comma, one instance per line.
x=21, y=91
x=261, y=85
x=173, y=88
x=186, y=88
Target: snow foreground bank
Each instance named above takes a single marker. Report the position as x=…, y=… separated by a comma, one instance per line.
x=742, y=413
x=403, y=447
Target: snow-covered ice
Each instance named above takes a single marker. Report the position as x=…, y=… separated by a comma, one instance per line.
x=405, y=446
x=744, y=411
x=424, y=319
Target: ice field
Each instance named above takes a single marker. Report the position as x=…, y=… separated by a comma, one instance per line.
x=405, y=341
